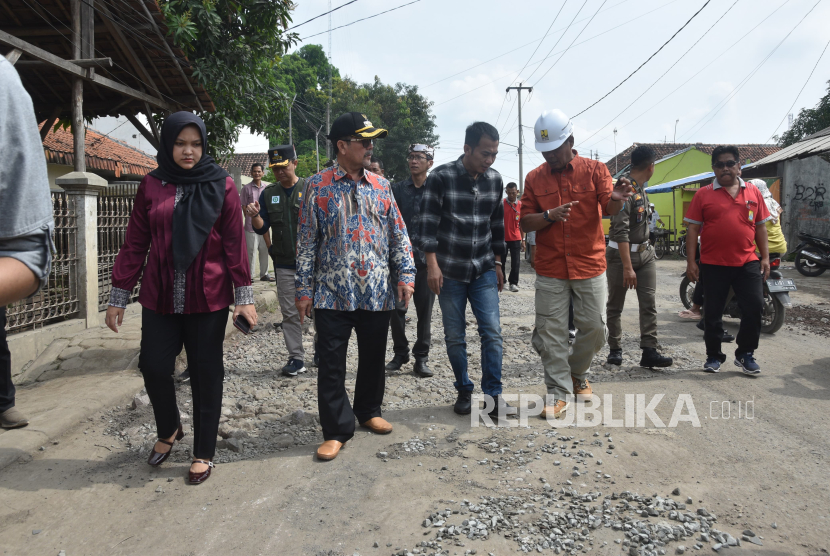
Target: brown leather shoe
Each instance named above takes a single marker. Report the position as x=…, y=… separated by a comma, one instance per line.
x=202, y=476
x=329, y=449
x=12, y=419
x=582, y=389
x=378, y=425
x=157, y=458
x=555, y=411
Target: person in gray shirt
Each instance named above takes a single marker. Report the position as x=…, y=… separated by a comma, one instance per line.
x=27, y=225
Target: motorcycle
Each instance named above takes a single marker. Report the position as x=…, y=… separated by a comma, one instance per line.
x=812, y=256
x=776, y=298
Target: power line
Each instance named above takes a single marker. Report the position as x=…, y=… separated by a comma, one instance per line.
x=321, y=15
x=647, y=61
x=577, y=44
x=562, y=35
x=748, y=77
x=799, y=92
x=509, y=52
x=720, y=55
x=361, y=19
x=546, y=34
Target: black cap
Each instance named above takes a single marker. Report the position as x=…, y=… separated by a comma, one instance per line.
x=354, y=124
x=281, y=156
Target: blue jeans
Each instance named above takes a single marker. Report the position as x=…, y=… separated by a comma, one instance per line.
x=483, y=294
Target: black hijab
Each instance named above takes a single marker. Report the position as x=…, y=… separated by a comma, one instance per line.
x=203, y=185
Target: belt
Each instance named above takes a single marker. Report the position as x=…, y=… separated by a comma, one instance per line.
x=635, y=247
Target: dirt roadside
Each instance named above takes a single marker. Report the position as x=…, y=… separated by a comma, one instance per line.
x=762, y=471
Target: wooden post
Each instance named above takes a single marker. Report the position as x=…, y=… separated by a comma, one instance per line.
x=78, y=91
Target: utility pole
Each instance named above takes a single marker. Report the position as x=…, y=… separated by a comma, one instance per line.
x=519, y=102
x=328, y=106
x=317, y=147
x=290, y=123
x=615, y=151
x=675, y=131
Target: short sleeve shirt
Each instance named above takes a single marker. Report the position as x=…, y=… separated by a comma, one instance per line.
x=728, y=237
x=512, y=217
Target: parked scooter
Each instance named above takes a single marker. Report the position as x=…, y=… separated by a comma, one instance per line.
x=812, y=256
x=776, y=297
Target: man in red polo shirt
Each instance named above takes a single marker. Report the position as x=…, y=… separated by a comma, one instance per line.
x=563, y=202
x=734, y=214
x=513, y=234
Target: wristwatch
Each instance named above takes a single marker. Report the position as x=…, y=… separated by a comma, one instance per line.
x=545, y=216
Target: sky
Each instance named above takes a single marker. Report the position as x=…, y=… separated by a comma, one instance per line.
x=726, y=77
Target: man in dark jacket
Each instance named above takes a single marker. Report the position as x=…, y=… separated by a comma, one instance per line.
x=408, y=194
x=278, y=209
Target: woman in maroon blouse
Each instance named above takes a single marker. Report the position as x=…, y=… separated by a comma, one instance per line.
x=187, y=215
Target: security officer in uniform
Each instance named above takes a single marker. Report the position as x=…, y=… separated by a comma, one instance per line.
x=278, y=210
x=632, y=265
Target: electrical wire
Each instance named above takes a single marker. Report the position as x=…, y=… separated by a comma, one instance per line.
x=568, y=28
x=499, y=78
x=664, y=73
x=647, y=60
x=799, y=92
x=741, y=36
x=321, y=15
x=746, y=79
x=361, y=19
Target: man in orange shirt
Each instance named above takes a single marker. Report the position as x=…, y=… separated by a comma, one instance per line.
x=563, y=202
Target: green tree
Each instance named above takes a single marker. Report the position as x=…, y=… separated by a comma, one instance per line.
x=809, y=121
x=233, y=46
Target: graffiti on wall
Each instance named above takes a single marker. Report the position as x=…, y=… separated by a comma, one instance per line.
x=811, y=196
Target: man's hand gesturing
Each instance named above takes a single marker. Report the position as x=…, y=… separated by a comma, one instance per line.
x=562, y=212
x=252, y=209
x=622, y=190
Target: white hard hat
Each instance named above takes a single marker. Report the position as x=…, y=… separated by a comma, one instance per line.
x=551, y=130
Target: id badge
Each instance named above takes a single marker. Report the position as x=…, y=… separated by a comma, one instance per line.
x=751, y=216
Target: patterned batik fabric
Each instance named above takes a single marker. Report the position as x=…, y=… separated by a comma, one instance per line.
x=353, y=249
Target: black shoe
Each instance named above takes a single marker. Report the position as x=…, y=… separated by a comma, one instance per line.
x=293, y=367
x=397, y=362
x=464, y=403
x=700, y=325
x=315, y=362
x=651, y=358
x=614, y=357
x=727, y=337
x=506, y=409
x=420, y=368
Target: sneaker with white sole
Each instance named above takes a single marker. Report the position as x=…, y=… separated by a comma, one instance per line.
x=514, y=288
x=713, y=363
x=294, y=367
x=746, y=361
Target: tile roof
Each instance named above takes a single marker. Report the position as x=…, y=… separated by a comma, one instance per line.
x=753, y=152
x=102, y=153
x=244, y=162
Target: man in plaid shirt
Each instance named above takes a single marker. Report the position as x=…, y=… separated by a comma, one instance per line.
x=462, y=236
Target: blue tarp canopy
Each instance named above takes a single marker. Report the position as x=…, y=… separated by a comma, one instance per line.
x=669, y=185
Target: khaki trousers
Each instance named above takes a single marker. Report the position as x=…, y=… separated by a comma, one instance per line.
x=256, y=244
x=291, y=328
x=645, y=267
x=550, y=337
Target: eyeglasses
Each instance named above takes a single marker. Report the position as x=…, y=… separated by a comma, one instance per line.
x=413, y=157
x=720, y=164
x=365, y=142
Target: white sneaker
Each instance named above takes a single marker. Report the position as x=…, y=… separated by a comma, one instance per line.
x=514, y=288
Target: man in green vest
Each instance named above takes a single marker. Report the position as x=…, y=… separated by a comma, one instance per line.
x=278, y=209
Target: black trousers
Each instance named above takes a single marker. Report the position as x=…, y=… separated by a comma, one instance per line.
x=6, y=385
x=424, y=299
x=748, y=284
x=514, y=249
x=202, y=335
x=334, y=329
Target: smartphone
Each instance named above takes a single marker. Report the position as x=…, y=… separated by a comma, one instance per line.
x=242, y=324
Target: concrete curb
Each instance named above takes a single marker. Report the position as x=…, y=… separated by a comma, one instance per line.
x=59, y=405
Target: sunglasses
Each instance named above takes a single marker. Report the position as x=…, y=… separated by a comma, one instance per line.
x=720, y=164
x=365, y=142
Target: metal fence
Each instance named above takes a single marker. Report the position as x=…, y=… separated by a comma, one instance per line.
x=58, y=299
x=113, y=216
